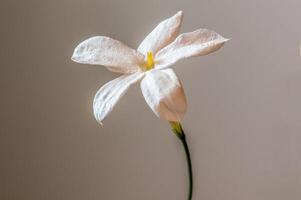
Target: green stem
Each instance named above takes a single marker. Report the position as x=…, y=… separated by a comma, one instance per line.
x=177, y=129
x=183, y=140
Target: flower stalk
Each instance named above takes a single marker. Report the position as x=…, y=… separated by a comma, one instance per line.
x=178, y=130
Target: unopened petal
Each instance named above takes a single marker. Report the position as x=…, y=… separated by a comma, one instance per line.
x=162, y=35
x=116, y=56
x=110, y=94
x=197, y=43
x=164, y=94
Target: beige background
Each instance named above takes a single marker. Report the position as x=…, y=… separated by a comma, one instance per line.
x=243, y=122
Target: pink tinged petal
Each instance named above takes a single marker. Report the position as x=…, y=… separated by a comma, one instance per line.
x=110, y=94
x=197, y=43
x=164, y=94
x=116, y=56
x=162, y=35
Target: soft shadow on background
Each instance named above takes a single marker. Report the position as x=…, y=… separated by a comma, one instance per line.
x=243, y=120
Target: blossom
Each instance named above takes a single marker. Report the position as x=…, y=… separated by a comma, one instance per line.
x=149, y=65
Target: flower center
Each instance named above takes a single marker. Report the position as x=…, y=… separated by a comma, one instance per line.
x=149, y=61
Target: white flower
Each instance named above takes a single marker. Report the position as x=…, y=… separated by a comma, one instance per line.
x=148, y=64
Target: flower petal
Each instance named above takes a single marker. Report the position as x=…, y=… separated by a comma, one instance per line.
x=197, y=43
x=111, y=53
x=162, y=35
x=109, y=94
x=164, y=94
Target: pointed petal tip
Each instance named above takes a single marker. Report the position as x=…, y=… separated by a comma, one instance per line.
x=180, y=15
x=224, y=40
x=100, y=123
x=73, y=58
x=180, y=12
x=76, y=59
x=98, y=120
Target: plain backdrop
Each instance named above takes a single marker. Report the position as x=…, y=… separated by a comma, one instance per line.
x=243, y=121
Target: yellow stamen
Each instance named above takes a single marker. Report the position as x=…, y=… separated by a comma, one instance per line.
x=150, y=61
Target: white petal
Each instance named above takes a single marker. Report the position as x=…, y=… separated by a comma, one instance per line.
x=162, y=35
x=164, y=94
x=109, y=94
x=111, y=53
x=197, y=43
